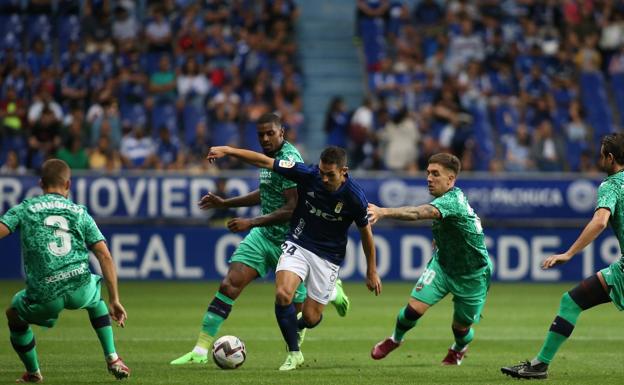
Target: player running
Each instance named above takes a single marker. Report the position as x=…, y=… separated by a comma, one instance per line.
x=460, y=264
x=259, y=252
x=607, y=285
x=56, y=235
x=328, y=202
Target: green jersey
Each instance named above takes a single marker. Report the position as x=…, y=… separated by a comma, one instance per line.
x=272, y=187
x=611, y=196
x=458, y=235
x=55, y=233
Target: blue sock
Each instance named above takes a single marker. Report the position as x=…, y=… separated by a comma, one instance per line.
x=287, y=321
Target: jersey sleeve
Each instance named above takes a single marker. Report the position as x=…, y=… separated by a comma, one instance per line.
x=295, y=171
x=446, y=205
x=91, y=232
x=12, y=218
x=361, y=210
x=292, y=157
x=607, y=197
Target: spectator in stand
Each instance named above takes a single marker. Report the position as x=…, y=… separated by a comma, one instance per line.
x=11, y=165
x=104, y=157
x=74, y=87
x=125, y=28
x=158, y=31
x=39, y=58
x=138, y=150
x=399, y=142
x=12, y=114
x=169, y=155
x=108, y=123
x=162, y=84
x=74, y=154
x=43, y=100
x=463, y=48
x=518, y=150
x=97, y=26
x=548, y=150
x=44, y=139
x=192, y=84
x=337, y=123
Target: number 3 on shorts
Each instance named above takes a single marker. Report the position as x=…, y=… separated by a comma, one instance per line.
x=427, y=277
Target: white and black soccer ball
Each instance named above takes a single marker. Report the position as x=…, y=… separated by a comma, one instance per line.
x=229, y=352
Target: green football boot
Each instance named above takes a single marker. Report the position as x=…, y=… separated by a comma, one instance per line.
x=293, y=360
x=190, y=358
x=341, y=303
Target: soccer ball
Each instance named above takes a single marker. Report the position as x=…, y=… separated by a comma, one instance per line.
x=228, y=352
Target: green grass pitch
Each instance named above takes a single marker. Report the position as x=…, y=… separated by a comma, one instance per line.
x=164, y=319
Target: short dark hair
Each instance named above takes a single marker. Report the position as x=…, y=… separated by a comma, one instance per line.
x=448, y=161
x=614, y=144
x=54, y=173
x=271, y=118
x=334, y=155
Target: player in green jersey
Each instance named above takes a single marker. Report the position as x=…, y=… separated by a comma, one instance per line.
x=460, y=264
x=605, y=286
x=56, y=235
x=259, y=252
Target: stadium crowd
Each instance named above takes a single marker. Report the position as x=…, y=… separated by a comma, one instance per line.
x=512, y=85
x=109, y=85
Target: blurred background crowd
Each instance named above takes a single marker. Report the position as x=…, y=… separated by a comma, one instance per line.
x=511, y=85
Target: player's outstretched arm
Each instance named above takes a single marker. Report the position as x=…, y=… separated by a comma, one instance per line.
x=251, y=157
x=116, y=309
x=213, y=201
x=406, y=213
x=372, y=278
x=598, y=223
x=281, y=215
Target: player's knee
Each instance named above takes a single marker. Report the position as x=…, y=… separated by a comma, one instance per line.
x=312, y=319
x=283, y=296
x=15, y=322
x=229, y=289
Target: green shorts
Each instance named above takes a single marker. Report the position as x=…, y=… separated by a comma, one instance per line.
x=469, y=292
x=262, y=255
x=614, y=277
x=46, y=314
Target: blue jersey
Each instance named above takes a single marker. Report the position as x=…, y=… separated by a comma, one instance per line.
x=322, y=218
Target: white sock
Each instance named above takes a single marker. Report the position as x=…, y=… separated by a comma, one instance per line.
x=112, y=357
x=201, y=351
x=535, y=361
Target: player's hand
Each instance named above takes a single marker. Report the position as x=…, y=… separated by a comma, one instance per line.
x=211, y=201
x=554, y=260
x=118, y=313
x=237, y=225
x=374, y=213
x=373, y=282
x=216, y=153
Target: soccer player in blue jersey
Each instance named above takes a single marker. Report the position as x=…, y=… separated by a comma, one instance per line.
x=328, y=202
x=605, y=286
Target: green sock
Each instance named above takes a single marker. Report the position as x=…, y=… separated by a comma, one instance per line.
x=462, y=342
x=24, y=344
x=560, y=329
x=101, y=322
x=218, y=311
x=405, y=321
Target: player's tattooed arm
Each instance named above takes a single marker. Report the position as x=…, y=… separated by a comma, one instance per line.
x=104, y=257
x=406, y=213
x=281, y=215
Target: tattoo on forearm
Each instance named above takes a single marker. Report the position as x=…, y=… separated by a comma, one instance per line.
x=411, y=213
